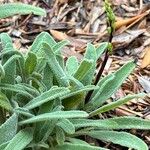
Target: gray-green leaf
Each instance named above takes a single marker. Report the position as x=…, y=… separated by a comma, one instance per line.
x=55, y=115
x=11, y=9
x=21, y=140
x=49, y=95
x=121, y=138
x=8, y=129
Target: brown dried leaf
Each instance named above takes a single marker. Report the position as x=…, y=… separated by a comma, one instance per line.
x=59, y=35
x=78, y=44
x=146, y=59
x=125, y=22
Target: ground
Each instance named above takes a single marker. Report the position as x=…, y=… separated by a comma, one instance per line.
x=83, y=21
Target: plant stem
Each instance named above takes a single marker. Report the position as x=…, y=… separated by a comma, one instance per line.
x=100, y=72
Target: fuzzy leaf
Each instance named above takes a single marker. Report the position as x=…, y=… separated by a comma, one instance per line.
x=6, y=42
x=101, y=124
x=121, y=138
x=21, y=140
x=69, y=146
x=8, y=129
x=48, y=77
x=112, y=87
x=115, y=104
x=102, y=83
x=67, y=126
x=55, y=115
x=49, y=95
x=76, y=97
x=54, y=65
x=94, y=54
x=101, y=48
x=30, y=63
x=42, y=37
x=4, y=102
x=23, y=111
x=90, y=53
x=56, y=48
x=15, y=88
x=83, y=69
x=2, y=72
x=60, y=136
x=2, y=146
x=80, y=90
x=129, y=122
x=72, y=65
x=11, y=9
x=43, y=130
x=77, y=141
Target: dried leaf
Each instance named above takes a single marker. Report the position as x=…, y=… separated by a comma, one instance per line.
x=145, y=83
x=59, y=35
x=146, y=59
x=125, y=22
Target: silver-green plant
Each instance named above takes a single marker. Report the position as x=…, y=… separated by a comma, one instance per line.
x=42, y=99
x=11, y=9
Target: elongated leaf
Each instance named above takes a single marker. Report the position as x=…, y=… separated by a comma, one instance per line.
x=21, y=140
x=130, y=123
x=67, y=126
x=30, y=89
x=115, y=104
x=102, y=83
x=4, y=102
x=47, y=96
x=71, y=65
x=74, y=98
x=9, y=55
x=121, y=138
x=2, y=72
x=60, y=136
x=10, y=71
x=48, y=77
x=83, y=69
x=77, y=141
x=30, y=63
x=101, y=48
x=80, y=90
x=101, y=124
x=42, y=37
x=19, y=8
x=54, y=65
x=8, y=129
x=113, y=86
x=6, y=42
x=10, y=68
x=55, y=115
x=15, y=88
x=23, y=111
x=69, y=146
x=56, y=48
x=94, y=54
x=2, y=146
x=97, y=93
x=43, y=130
x=90, y=53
